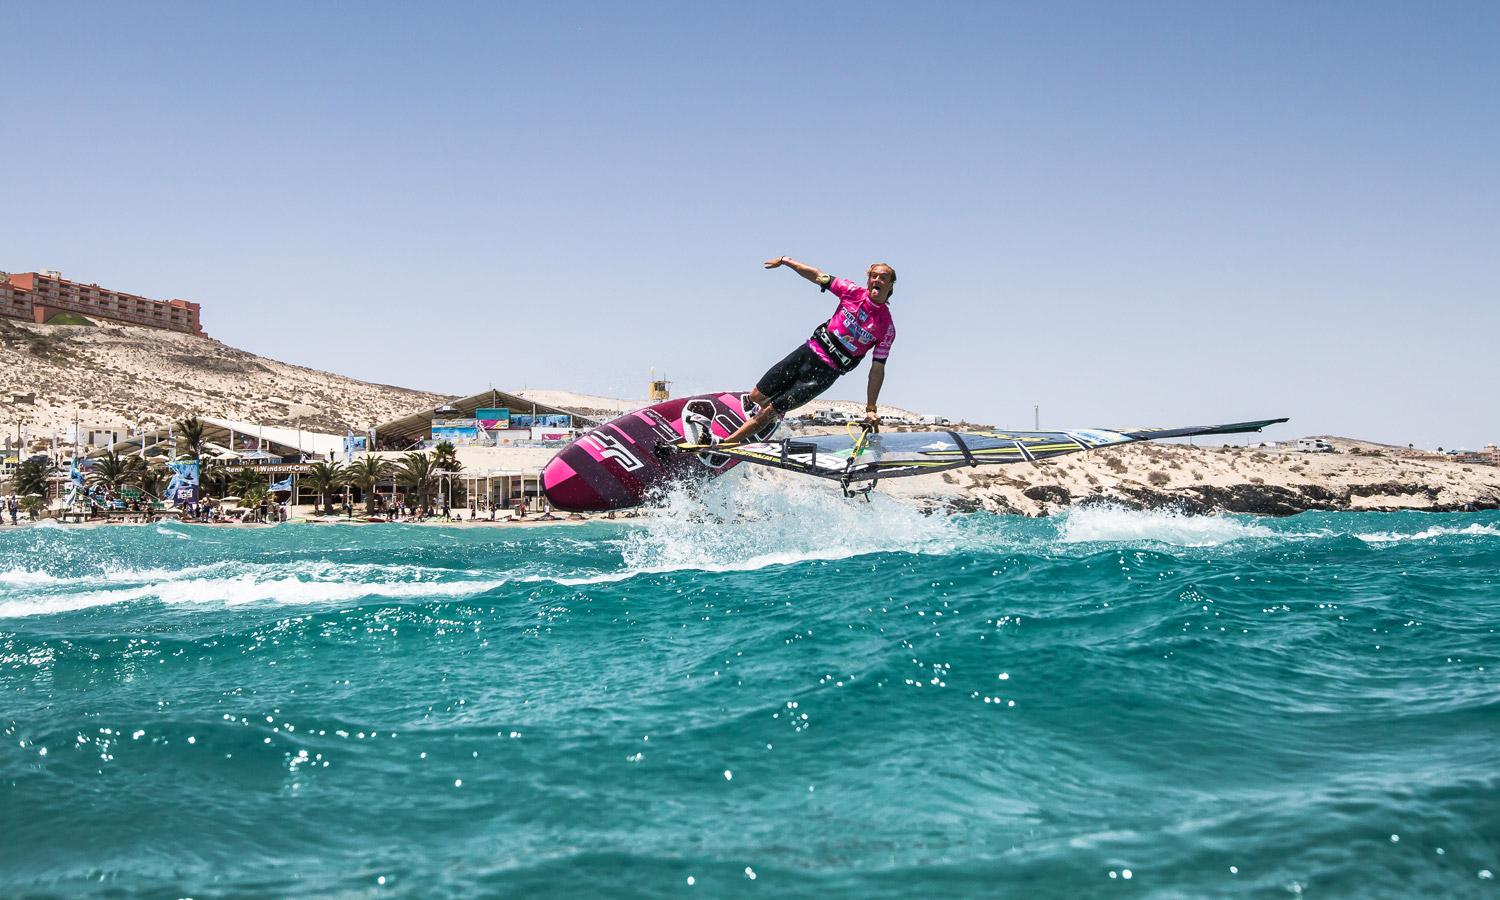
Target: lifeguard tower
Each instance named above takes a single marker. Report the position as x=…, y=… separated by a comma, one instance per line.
x=660, y=390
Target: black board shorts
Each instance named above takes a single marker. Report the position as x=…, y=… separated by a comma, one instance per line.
x=797, y=379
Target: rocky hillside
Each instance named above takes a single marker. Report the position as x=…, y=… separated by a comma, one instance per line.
x=1214, y=479
x=115, y=375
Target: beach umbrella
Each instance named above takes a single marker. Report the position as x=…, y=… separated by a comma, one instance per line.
x=230, y=499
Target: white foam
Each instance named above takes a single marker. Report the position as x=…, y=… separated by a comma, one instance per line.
x=750, y=520
x=247, y=588
x=107, y=574
x=27, y=577
x=1436, y=531
x=26, y=592
x=1105, y=524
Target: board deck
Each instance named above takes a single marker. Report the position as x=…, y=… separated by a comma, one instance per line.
x=618, y=465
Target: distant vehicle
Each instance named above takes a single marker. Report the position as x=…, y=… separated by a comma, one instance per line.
x=933, y=420
x=1313, y=445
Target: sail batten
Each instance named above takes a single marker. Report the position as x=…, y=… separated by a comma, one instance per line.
x=849, y=459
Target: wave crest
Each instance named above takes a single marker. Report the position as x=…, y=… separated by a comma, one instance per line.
x=1115, y=524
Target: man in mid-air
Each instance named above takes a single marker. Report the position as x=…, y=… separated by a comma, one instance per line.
x=861, y=324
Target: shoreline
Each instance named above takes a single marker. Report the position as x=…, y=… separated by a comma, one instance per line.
x=172, y=520
x=1183, y=478
x=1252, y=500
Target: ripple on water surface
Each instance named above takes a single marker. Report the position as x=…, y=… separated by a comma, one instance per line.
x=838, y=698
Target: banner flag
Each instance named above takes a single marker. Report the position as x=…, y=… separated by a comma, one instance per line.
x=183, y=488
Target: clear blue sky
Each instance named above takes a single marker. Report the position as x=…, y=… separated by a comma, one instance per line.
x=1128, y=213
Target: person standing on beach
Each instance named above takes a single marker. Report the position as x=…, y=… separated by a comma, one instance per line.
x=861, y=325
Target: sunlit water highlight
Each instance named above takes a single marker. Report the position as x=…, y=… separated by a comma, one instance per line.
x=839, y=699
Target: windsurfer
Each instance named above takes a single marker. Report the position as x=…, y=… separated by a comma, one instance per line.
x=861, y=325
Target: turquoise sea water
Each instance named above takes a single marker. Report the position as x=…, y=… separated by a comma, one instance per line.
x=815, y=699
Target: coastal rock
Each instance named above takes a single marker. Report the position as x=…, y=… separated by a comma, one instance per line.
x=1049, y=493
x=1206, y=480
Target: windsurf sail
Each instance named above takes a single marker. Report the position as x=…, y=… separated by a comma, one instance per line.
x=867, y=457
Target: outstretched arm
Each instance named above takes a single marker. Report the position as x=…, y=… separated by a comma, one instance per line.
x=877, y=378
x=803, y=269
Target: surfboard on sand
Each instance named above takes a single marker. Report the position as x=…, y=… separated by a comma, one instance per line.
x=619, y=464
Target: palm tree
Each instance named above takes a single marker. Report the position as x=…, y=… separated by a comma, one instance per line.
x=418, y=471
x=325, y=478
x=190, y=437
x=153, y=479
x=256, y=494
x=113, y=471
x=246, y=480
x=445, y=461
x=33, y=506
x=445, y=457
x=31, y=476
x=211, y=471
x=364, y=474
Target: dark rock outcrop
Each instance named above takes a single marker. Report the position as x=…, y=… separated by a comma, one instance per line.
x=1049, y=493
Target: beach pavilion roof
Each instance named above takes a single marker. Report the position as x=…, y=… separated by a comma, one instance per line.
x=220, y=437
x=419, y=424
